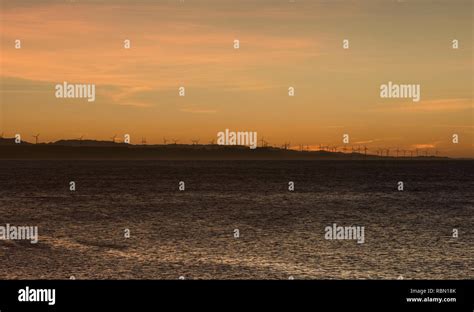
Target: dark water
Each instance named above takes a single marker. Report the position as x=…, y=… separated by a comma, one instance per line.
x=191, y=233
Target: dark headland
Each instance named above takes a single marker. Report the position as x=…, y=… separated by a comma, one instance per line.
x=92, y=149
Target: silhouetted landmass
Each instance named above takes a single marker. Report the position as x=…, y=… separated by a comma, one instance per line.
x=92, y=149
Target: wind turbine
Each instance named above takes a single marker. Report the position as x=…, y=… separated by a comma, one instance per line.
x=388, y=152
x=211, y=142
x=195, y=141
x=164, y=140
x=344, y=148
x=411, y=154
x=113, y=138
x=404, y=152
x=365, y=150
x=143, y=140
x=36, y=138
x=397, y=151
x=175, y=141
x=80, y=139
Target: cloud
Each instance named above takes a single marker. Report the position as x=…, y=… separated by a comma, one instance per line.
x=441, y=105
x=84, y=43
x=423, y=146
x=367, y=141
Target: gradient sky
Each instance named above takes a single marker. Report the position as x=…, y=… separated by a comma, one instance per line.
x=283, y=43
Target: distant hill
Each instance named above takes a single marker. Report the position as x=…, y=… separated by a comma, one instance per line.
x=86, y=143
x=10, y=141
x=92, y=149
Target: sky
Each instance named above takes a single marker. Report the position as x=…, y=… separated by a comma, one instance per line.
x=283, y=44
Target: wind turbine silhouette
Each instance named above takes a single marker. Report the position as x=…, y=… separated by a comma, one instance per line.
x=211, y=142
x=143, y=140
x=80, y=139
x=397, y=151
x=365, y=150
x=113, y=138
x=344, y=148
x=195, y=141
x=164, y=140
x=175, y=141
x=36, y=138
x=388, y=152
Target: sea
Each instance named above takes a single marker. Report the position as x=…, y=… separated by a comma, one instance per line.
x=238, y=219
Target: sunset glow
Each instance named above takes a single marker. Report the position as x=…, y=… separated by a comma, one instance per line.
x=281, y=45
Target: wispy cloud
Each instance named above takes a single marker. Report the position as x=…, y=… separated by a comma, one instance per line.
x=423, y=146
x=164, y=50
x=367, y=141
x=440, y=105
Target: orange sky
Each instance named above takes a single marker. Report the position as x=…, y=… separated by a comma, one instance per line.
x=283, y=44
